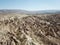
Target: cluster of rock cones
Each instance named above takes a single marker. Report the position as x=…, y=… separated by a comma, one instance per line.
x=30, y=30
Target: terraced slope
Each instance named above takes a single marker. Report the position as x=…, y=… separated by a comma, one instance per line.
x=30, y=30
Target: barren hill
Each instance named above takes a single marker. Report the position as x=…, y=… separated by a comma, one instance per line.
x=30, y=30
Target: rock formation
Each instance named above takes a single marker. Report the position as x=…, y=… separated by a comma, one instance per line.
x=30, y=30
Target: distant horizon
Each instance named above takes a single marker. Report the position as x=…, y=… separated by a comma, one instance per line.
x=30, y=5
x=30, y=10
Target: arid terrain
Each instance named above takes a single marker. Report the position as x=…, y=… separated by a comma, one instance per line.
x=25, y=29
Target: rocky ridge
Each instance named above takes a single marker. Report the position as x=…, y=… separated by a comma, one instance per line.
x=30, y=30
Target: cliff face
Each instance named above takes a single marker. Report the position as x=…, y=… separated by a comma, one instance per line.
x=30, y=30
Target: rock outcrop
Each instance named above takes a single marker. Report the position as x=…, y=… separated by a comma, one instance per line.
x=30, y=30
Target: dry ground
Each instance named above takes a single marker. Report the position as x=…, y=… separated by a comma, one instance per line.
x=30, y=30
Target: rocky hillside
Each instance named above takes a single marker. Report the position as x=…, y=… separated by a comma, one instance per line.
x=30, y=30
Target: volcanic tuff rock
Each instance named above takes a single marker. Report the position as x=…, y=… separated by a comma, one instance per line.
x=30, y=30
